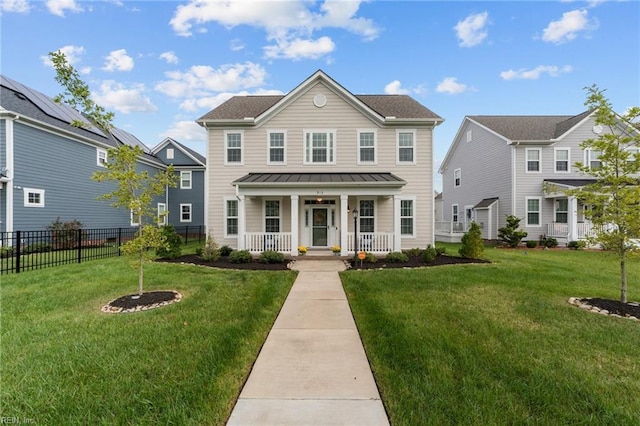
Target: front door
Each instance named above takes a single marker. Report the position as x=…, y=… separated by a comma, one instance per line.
x=319, y=227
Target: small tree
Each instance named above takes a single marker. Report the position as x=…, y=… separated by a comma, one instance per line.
x=510, y=234
x=615, y=195
x=472, y=244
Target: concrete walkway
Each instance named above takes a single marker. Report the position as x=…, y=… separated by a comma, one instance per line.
x=312, y=369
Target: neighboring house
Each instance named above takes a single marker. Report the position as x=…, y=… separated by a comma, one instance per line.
x=185, y=202
x=288, y=171
x=46, y=164
x=501, y=165
x=437, y=208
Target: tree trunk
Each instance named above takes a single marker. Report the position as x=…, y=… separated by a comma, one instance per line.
x=623, y=279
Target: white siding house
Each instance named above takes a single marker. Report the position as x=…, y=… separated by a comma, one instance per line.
x=289, y=171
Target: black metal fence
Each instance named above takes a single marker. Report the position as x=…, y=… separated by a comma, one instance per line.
x=28, y=250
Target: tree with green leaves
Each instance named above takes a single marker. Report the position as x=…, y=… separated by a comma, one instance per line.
x=135, y=189
x=472, y=243
x=614, y=197
x=510, y=234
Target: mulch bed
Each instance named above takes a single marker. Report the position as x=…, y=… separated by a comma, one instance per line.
x=615, y=307
x=224, y=263
x=143, y=302
x=415, y=262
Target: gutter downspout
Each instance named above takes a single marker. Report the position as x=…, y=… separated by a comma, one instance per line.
x=9, y=157
x=513, y=177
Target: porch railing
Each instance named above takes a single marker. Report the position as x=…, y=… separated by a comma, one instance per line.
x=371, y=242
x=257, y=242
x=561, y=230
x=451, y=227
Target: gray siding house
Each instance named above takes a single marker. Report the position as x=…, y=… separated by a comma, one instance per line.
x=322, y=168
x=500, y=165
x=46, y=164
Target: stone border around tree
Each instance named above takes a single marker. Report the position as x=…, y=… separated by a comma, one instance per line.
x=109, y=309
x=577, y=301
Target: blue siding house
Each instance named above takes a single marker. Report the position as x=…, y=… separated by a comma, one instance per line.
x=46, y=166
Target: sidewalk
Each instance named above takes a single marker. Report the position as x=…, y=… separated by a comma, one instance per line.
x=312, y=369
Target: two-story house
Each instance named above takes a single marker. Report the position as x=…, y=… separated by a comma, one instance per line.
x=318, y=166
x=46, y=166
x=518, y=165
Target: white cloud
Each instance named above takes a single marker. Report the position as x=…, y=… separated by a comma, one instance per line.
x=72, y=53
x=568, y=27
x=450, y=85
x=395, y=88
x=300, y=49
x=118, y=60
x=59, y=7
x=472, y=30
x=236, y=45
x=123, y=99
x=202, y=80
x=16, y=6
x=187, y=130
x=211, y=102
x=535, y=73
x=170, y=57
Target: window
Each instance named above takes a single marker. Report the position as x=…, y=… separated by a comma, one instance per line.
x=592, y=159
x=406, y=148
x=134, y=218
x=533, y=211
x=457, y=177
x=406, y=217
x=185, y=212
x=231, y=217
x=469, y=136
x=319, y=148
x=233, y=148
x=533, y=160
x=454, y=212
x=277, y=146
x=562, y=210
x=33, y=197
x=366, y=147
x=185, y=180
x=468, y=214
x=562, y=159
x=162, y=214
x=170, y=153
x=101, y=157
x=272, y=216
x=367, y=216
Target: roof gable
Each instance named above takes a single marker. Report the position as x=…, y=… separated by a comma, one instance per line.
x=197, y=158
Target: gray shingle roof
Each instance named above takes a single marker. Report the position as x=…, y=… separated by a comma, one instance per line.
x=326, y=179
x=572, y=182
x=485, y=203
x=530, y=127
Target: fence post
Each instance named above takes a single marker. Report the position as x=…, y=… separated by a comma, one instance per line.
x=119, y=240
x=79, y=241
x=18, y=251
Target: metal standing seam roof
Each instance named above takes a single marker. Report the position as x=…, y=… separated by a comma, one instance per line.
x=319, y=178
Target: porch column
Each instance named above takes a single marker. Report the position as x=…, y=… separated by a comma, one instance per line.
x=572, y=220
x=295, y=233
x=242, y=226
x=397, y=238
x=344, y=224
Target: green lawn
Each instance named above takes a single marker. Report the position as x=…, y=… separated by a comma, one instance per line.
x=498, y=343
x=62, y=361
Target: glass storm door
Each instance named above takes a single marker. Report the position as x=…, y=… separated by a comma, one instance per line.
x=319, y=227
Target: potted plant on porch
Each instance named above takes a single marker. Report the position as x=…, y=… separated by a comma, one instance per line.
x=302, y=250
x=336, y=250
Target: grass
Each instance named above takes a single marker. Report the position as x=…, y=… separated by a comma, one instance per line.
x=64, y=362
x=498, y=343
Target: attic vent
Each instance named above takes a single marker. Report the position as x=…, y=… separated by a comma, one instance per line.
x=21, y=96
x=319, y=100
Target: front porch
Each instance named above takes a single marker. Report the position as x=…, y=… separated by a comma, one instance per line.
x=370, y=242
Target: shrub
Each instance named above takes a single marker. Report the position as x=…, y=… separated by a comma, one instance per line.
x=548, y=242
x=577, y=245
x=225, y=250
x=199, y=251
x=6, y=252
x=65, y=234
x=397, y=257
x=414, y=252
x=173, y=243
x=510, y=234
x=271, y=256
x=210, y=251
x=240, y=256
x=370, y=258
x=531, y=244
x=472, y=244
x=441, y=251
x=37, y=248
x=430, y=254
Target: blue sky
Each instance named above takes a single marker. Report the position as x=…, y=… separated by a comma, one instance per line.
x=159, y=65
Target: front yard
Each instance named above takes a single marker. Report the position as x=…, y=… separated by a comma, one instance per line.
x=498, y=343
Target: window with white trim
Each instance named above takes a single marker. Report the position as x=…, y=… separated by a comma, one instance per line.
x=101, y=157
x=562, y=210
x=406, y=217
x=533, y=160
x=454, y=212
x=233, y=148
x=367, y=147
x=272, y=216
x=469, y=136
x=457, y=177
x=134, y=218
x=170, y=153
x=277, y=147
x=592, y=159
x=561, y=159
x=185, y=180
x=319, y=147
x=33, y=197
x=533, y=211
x=162, y=214
x=231, y=217
x=406, y=147
x=185, y=212
x=468, y=214
x=366, y=215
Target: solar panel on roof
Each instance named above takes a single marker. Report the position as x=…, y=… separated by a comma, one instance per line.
x=128, y=139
